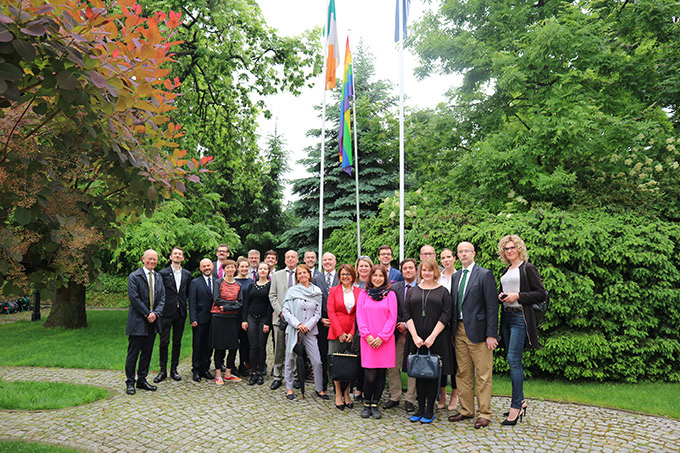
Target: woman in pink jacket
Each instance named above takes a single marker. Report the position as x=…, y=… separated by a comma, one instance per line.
x=376, y=319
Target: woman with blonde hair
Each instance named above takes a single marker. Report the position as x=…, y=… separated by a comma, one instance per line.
x=521, y=287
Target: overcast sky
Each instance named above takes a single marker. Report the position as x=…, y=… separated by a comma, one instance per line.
x=370, y=20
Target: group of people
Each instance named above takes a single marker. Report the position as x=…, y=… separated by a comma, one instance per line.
x=374, y=311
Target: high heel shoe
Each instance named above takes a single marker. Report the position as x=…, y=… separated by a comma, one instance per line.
x=519, y=417
x=524, y=408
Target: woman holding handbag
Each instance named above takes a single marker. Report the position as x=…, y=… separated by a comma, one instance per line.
x=427, y=311
x=342, y=309
x=376, y=319
x=521, y=286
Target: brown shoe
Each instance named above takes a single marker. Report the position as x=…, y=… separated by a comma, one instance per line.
x=481, y=423
x=459, y=417
x=409, y=407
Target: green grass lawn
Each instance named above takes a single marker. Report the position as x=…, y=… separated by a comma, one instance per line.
x=32, y=447
x=102, y=345
x=47, y=395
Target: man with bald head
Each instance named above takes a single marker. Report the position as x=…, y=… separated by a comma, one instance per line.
x=146, y=293
x=202, y=292
x=475, y=328
x=281, y=281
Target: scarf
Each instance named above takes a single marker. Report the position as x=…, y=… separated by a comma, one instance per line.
x=378, y=294
x=294, y=296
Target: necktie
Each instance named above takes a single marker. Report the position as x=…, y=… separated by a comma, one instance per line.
x=151, y=290
x=408, y=287
x=210, y=284
x=220, y=273
x=461, y=292
x=328, y=279
x=290, y=278
x=254, y=275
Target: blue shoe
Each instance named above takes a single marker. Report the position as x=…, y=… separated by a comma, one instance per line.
x=427, y=420
x=415, y=418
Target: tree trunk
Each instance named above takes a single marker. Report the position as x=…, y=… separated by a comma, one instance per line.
x=69, y=307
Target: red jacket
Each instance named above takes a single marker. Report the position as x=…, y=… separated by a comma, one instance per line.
x=341, y=321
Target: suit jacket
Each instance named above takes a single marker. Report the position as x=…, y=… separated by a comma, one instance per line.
x=480, y=304
x=342, y=321
x=398, y=289
x=138, y=293
x=320, y=281
x=174, y=300
x=395, y=275
x=277, y=293
x=214, y=271
x=201, y=299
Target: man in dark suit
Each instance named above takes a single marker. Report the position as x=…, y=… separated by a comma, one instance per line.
x=223, y=253
x=325, y=280
x=201, y=297
x=147, y=299
x=475, y=300
x=310, y=260
x=385, y=258
x=401, y=289
x=176, y=281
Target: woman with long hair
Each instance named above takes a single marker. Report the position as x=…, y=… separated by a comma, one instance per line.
x=521, y=287
x=257, y=312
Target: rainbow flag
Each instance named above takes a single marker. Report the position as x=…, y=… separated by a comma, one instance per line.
x=333, y=52
x=345, y=134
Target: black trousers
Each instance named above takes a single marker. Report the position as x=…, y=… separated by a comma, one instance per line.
x=243, y=347
x=219, y=358
x=175, y=323
x=258, y=343
x=427, y=391
x=322, y=339
x=200, y=359
x=140, y=347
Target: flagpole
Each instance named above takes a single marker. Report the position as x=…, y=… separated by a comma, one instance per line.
x=356, y=152
x=401, y=130
x=321, y=169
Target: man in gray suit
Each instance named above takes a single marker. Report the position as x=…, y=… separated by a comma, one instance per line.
x=147, y=299
x=475, y=328
x=281, y=281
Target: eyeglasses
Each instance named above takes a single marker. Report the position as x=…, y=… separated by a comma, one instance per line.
x=506, y=249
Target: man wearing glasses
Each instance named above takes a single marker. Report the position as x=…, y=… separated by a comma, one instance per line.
x=385, y=259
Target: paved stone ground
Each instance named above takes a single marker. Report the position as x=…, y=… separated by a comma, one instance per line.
x=190, y=416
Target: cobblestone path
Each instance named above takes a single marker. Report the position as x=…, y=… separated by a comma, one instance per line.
x=196, y=417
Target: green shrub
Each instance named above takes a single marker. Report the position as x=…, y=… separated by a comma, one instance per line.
x=613, y=281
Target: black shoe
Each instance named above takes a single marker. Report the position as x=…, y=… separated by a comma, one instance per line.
x=375, y=412
x=130, y=389
x=409, y=407
x=146, y=386
x=349, y=405
x=207, y=375
x=161, y=376
x=175, y=375
x=323, y=397
x=253, y=380
x=275, y=385
x=390, y=404
x=296, y=384
x=260, y=379
x=197, y=377
x=290, y=396
x=366, y=411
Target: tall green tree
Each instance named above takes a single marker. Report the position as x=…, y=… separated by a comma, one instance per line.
x=574, y=104
x=378, y=159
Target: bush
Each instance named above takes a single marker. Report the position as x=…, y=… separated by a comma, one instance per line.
x=613, y=281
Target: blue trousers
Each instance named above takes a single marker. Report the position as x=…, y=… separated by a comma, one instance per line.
x=514, y=333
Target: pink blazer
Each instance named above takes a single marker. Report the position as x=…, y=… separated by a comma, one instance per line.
x=341, y=320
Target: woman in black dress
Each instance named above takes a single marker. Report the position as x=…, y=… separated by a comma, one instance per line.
x=427, y=311
x=224, y=323
x=257, y=310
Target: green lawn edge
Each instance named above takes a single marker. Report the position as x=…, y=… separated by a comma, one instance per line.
x=37, y=395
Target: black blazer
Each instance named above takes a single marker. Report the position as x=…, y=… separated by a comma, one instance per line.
x=201, y=299
x=320, y=281
x=175, y=300
x=531, y=291
x=138, y=293
x=480, y=304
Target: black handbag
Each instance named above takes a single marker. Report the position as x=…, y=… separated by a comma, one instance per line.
x=424, y=366
x=343, y=367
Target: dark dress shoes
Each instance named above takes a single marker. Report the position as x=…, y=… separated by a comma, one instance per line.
x=207, y=375
x=324, y=396
x=275, y=385
x=260, y=379
x=175, y=375
x=458, y=417
x=409, y=406
x=131, y=389
x=146, y=386
x=390, y=404
x=197, y=377
x=481, y=423
x=161, y=376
